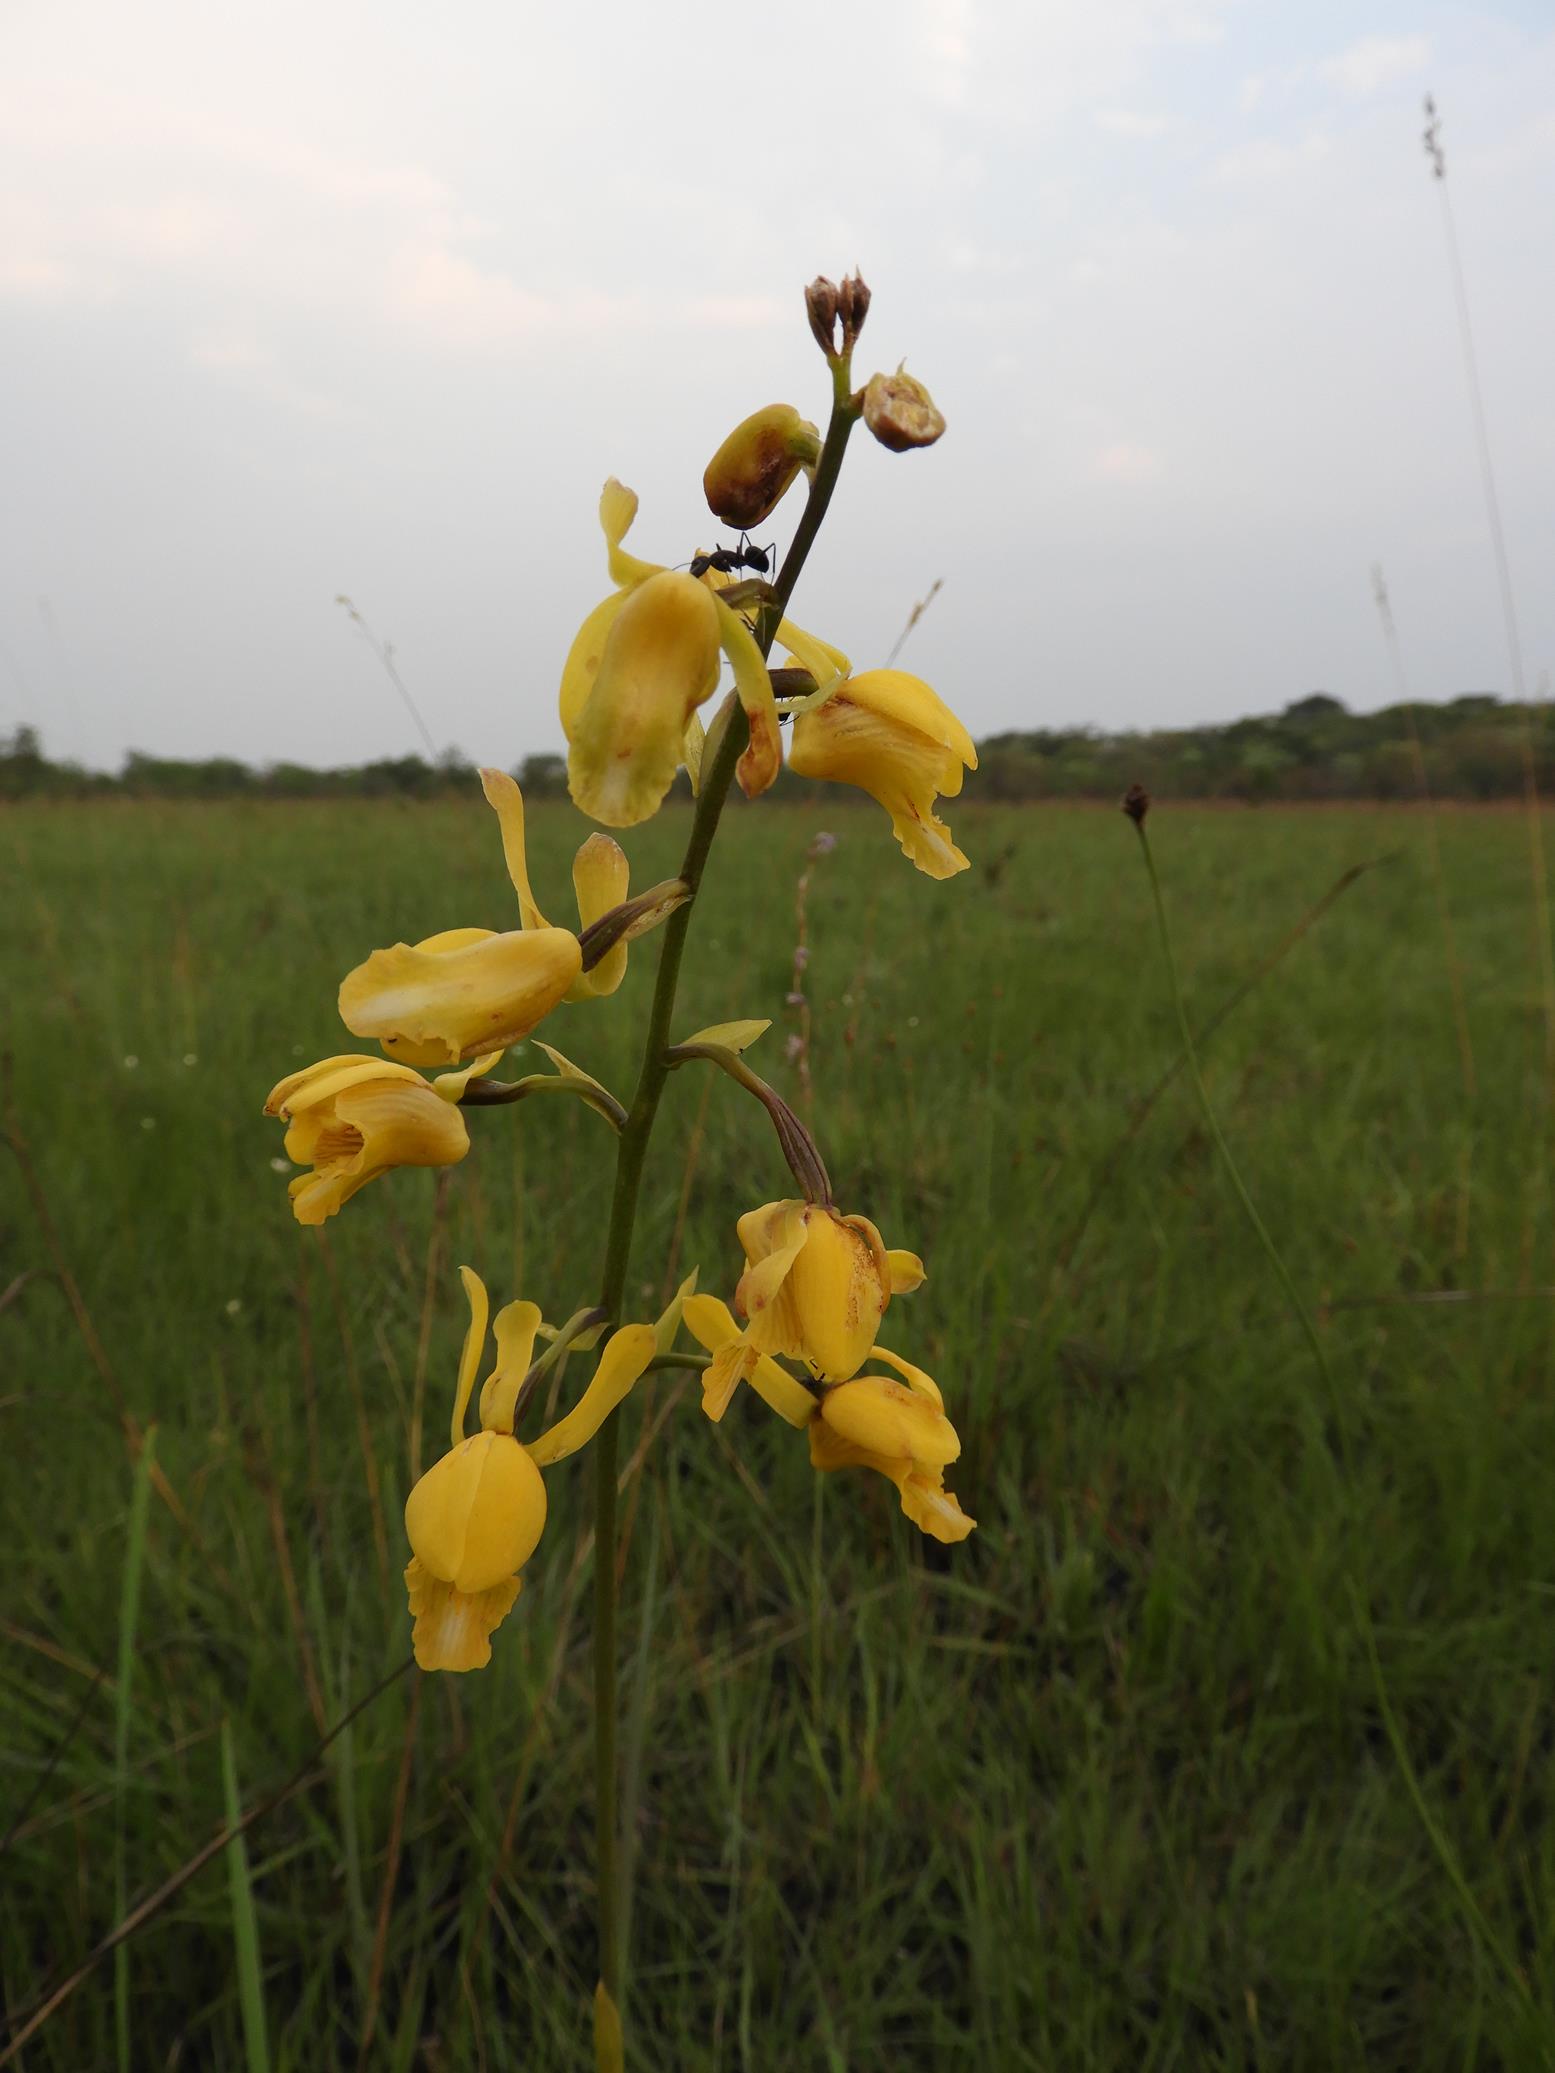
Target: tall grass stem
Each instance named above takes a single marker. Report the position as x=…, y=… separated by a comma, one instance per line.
x=245, y=1925
x=129, y=1618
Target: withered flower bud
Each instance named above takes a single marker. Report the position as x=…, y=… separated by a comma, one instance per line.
x=820, y=301
x=853, y=308
x=900, y=412
x=756, y=465
x=1136, y=804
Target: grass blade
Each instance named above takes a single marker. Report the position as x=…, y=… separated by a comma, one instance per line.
x=129, y=1614
x=245, y=1928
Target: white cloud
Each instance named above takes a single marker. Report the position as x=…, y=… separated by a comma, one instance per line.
x=462, y=304
x=1271, y=159
x=239, y=358
x=1125, y=461
x=1375, y=62
x=941, y=40
x=1125, y=122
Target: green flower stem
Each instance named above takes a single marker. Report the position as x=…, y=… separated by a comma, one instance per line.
x=717, y=776
x=667, y=1363
x=798, y=1146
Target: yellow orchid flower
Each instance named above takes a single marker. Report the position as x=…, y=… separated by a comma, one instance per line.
x=735, y=1361
x=476, y=1516
x=869, y=1422
x=641, y=665
x=458, y=992
x=816, y=1284
x=900, y=1432
x=472, y=990
x=895, y=738
x=352, y=1117
x=600, y=880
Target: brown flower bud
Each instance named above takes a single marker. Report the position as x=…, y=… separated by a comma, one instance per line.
x=1136, y=804
x=756, y=465
x=900, y=412
x=853, y=308
x=820, y=301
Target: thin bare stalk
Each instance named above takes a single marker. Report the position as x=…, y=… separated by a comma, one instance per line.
x=1460, y=1013
x=1509, y=623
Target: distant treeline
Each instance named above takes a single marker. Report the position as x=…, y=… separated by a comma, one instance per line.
x=1474, y=747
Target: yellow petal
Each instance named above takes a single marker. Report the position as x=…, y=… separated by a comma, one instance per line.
x=838, y=1290
x=932, y=1508
x=922, y=1491
x=693, y=742
x=627, y=1353
x=893, y=737
x=434, y=1007
x=617, y=509
x=375, y=1124
x=903, y=700
x=451, y=1085
x=507, y=802
x=731, y=1365
x=318, y=1084
x=828, y=665
x=477, y=1515
x=454, y=939
x=470, y=1354
x=907, y=1272
x=772, y=1238
x=916, y=1380
x=712, y=1323
x=763, y=755
x=659, y=664
x=517, y=1325
x=891, y=1421
x=601, y=877
x=667, y=1330
x=584, y=657
x=819, y=657
x=830, y=1451
x=453, y=1629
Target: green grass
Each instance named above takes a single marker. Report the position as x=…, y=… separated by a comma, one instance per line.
x=1114, y=1784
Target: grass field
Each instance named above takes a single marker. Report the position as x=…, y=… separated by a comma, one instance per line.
x=1119, y=1783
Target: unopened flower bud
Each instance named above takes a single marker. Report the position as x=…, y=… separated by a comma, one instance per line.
x=900, y=412
x=820, y=301
x=756, y=465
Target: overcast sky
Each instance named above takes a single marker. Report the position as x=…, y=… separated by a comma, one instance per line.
x=308, y=299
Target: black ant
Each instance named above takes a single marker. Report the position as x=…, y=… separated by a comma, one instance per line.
x=728, y=561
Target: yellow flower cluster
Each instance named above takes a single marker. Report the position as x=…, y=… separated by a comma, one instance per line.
x=476, y=1516
x=815, y=1289
x=461, y=996
x=647, y=659
x=816, y=1284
